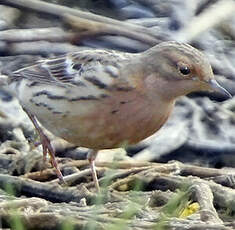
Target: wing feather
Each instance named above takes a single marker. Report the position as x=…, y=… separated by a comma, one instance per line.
x=71, y=68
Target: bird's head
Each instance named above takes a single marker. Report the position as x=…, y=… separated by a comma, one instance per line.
x=184, y=68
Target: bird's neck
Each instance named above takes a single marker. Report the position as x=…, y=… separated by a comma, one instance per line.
x=158, y=87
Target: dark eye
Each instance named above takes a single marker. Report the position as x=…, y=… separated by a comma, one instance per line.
x=184, y=70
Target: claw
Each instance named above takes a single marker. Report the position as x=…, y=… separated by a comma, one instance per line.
x=91, y=158
x=47, y=147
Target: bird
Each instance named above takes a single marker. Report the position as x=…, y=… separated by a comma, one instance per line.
x=105, y=99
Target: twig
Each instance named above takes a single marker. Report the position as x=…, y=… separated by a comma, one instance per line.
x=202, y=172
x=76, y=176
x=54, y=34
x=94, y=28
x=35, y=203
x=111, y=164
x=44, y=175
x=223, y=197
x=209, y=18
x=40, y=48
x=181, y=224
x=47, y=191
x=176, y=167
x=8, y=16
x=59, y=10
x=205, y=197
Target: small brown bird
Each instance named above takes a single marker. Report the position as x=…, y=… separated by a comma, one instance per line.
x=103, y=99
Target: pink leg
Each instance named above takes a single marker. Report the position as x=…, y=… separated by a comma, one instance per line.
x=46, y=146
x=91, y=158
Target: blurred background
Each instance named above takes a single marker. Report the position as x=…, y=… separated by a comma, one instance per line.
x=201, y=129
x=135, y=194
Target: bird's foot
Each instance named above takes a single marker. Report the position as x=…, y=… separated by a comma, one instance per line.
x=48, y=149
x=91, y=158
x=46, y=146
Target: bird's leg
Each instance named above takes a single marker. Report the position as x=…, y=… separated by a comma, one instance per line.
x=46, y=146
x=91, y=158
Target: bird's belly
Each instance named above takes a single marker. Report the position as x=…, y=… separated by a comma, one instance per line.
x=107, y=125
x=121, y=118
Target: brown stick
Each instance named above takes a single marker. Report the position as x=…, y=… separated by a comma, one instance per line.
x=100, y=28
x=47, y=34
x=204, y=197
x=40, y=47
x=210, y=18
x=59, y=10
x=48, y=191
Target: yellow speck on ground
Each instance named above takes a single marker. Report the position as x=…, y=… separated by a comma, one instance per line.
x=189, y=210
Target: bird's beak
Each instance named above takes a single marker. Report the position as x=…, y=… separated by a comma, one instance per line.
x=214, y=85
